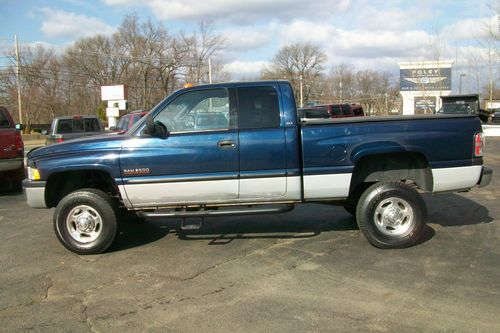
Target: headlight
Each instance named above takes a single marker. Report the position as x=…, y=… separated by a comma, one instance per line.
x=33, y=174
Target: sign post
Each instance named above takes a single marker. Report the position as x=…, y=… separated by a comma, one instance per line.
x=116, y=96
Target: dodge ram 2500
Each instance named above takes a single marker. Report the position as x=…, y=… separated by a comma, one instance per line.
x=239, y=148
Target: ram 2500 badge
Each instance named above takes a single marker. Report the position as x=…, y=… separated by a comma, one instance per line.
x=238, y=148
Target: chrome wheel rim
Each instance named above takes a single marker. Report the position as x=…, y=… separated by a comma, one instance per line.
x=84, y=224
x=393, y=216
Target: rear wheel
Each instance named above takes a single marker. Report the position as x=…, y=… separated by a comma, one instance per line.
x=85, y=221
x=391, y=215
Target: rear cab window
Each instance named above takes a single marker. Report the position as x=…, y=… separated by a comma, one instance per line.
x=92, y=125
x=77, y=125
x=258, y=107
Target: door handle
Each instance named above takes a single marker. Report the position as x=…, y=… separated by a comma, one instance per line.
x=226, y=144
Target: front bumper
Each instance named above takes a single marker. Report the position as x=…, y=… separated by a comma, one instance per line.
x=486, y=175
x=34, y=192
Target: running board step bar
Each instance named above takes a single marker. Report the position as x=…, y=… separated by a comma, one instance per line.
x=247, y=210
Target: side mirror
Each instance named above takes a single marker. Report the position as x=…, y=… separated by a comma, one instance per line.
x=156, y=128
x=19, y=127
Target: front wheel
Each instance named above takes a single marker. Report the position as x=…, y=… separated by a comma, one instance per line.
x=85, y=221
x=391, y=215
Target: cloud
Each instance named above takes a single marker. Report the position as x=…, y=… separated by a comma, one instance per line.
x=58, y=23
x=471, y=29
x=246, y=39
x=239, y=69
x=239, y=12
x=354, y=43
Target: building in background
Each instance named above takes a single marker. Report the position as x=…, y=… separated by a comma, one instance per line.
x=422, y=83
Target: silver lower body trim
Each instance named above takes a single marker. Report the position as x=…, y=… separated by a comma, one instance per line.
x=148, y=195
x=332, y=186
x=454, y=179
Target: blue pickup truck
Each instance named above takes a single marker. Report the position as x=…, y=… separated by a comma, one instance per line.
x=239, y=148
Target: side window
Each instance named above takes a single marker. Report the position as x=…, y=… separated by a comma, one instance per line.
x=259, y=107
x=346, y=109
x=336, y=110
x=203, y=110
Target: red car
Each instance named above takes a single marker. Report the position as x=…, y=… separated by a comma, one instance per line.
x=128, y=120
x=11, y=150
x=332, y=111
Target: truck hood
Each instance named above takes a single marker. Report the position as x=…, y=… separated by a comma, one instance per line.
x=97, y=142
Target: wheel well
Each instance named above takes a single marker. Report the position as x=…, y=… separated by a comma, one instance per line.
x=392, y=167
x=61, y=184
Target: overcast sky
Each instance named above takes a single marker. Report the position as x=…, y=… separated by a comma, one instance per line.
x=367, y=34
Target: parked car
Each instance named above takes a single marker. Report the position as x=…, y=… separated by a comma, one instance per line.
x=127, y=121
x=11, y=150
x=495, y=116
x=331, y=111
x=71, y=127
x=257, y=160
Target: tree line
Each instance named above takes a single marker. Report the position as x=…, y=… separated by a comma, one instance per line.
x=153, y=62
x=145, y=56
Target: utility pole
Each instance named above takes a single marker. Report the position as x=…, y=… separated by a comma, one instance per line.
x=18, y=82
x=386, y=105
x=460, y=83
x=209, y=71
x=340, y=87
x=301, y=93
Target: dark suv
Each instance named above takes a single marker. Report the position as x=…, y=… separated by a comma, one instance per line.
x=72, y=127
x=11, y=150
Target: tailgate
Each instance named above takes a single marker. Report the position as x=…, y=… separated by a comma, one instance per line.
x=7, y=143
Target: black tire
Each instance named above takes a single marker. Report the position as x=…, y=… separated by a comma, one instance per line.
x=99, y=204
x=382, y=219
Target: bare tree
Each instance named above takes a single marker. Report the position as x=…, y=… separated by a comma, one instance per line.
x=296, y=61
x=202, y=46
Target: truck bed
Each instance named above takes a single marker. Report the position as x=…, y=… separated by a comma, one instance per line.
x=330, y=150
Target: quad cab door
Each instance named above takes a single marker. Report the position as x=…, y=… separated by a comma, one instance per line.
x=263, y=163
x=197, y=162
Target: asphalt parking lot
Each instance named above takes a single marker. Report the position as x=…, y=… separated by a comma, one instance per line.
x=307, y=270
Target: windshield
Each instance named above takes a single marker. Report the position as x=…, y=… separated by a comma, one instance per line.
x=456, y=108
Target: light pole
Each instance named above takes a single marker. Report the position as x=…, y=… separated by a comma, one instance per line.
x=460, y=83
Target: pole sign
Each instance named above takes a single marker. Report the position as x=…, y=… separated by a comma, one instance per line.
x=425, y=104
x=114, y=93
x=425, y=79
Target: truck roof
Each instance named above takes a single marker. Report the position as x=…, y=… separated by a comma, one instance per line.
x=76, y=117
x=471, y=96
x=236, y=84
